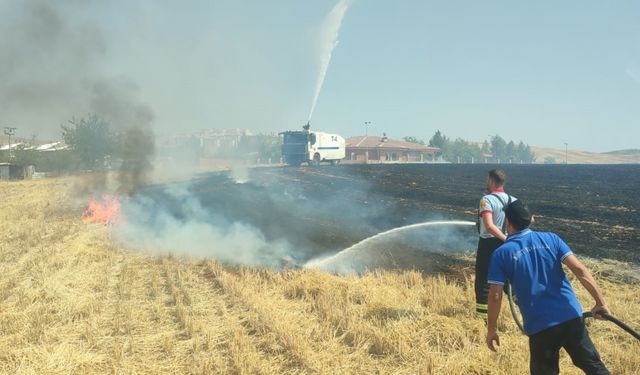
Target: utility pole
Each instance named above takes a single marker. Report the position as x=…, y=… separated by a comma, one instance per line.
x=9, y=131
x=566, y=152
x=366, y=128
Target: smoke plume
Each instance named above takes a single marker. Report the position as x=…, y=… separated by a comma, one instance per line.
x=52, y=60
x=276, y=220
x=195, y=232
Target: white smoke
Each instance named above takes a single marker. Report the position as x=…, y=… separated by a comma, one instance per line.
x=264, y=223
x=240, y=172
x=328, y=42
x=194, y=232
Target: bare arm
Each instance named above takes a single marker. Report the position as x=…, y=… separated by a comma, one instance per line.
x=487, y=219
x=495, y=302
x=588, y=282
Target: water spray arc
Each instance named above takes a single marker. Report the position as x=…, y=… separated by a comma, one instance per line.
x=327, y=262
x=329, y=41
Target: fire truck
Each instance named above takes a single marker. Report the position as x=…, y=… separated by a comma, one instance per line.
x=311, y=147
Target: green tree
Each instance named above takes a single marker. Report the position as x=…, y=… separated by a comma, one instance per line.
x=486, y=147
x=498, y=148
x=23, y=155
x=524, y=153
x=264, y=147
x=57, y=162
x=461, y=151
x=413, y=140
x=91, y=139
x=270, y=148
x=439, y=140
x=510, y=152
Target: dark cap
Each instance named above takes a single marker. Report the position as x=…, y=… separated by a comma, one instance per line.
x=518, y=214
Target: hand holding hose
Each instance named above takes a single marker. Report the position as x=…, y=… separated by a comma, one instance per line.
x=599, y=311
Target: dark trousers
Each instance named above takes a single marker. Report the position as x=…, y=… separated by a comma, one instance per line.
x=545, y=345
x=486, y=246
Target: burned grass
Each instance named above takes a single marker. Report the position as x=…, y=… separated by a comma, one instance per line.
x=593, y=207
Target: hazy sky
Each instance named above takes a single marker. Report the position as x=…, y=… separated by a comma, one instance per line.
x=545, y=72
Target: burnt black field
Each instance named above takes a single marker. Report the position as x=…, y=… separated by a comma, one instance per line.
x=325, y=209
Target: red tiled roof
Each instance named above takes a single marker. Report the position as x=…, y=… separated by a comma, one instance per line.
x=377, y=142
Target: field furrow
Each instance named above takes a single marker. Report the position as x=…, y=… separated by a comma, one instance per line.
x=272, y=312
x=269, y=346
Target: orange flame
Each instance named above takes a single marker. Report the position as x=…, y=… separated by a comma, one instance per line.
x=105, y=211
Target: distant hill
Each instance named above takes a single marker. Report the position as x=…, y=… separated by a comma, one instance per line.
x=633, y=151
x=631, y=156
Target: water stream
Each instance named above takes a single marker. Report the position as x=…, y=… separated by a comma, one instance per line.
x=343, y=260
x=328, y=41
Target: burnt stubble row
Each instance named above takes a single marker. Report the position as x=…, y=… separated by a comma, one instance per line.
x=325, y=209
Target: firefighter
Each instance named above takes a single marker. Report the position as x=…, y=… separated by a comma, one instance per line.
x=492, y=233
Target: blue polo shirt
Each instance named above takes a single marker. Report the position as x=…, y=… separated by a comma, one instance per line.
x=532, y=262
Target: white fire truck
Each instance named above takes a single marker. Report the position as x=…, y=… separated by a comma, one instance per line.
x=311, y=147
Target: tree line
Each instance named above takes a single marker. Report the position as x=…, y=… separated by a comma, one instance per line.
x=95, y=145
x=494, y=150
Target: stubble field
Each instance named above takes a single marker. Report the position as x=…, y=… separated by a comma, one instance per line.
x=73, y=300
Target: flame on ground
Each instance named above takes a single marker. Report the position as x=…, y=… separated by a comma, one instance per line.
x=104, y=211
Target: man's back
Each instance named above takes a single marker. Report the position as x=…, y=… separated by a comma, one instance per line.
x=532, y=262
x=494, y=203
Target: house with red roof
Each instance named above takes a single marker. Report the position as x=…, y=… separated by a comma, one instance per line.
x=376, y=149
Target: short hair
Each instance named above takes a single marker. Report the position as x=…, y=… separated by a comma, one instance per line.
x=518, y=214
x=498, y=176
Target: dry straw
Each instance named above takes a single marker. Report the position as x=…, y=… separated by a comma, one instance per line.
x=73, y=302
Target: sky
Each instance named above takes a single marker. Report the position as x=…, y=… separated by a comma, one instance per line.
x=544, y=72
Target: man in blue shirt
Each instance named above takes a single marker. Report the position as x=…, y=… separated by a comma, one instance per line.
x=532, y=263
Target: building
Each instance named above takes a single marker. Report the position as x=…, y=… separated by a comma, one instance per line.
x=10, y=171
x=375, y=149
x=53, y=146
x=207, y=142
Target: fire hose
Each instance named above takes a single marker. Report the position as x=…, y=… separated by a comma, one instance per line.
x=586, y=314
